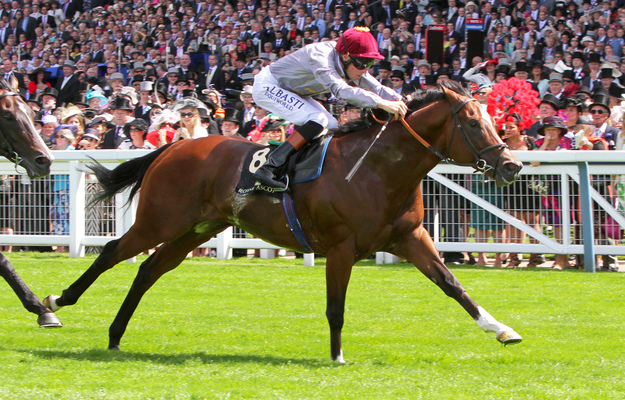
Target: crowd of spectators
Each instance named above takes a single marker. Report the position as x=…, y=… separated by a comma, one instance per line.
x=139, y=74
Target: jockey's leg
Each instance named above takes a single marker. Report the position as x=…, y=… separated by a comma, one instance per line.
x=278, y=157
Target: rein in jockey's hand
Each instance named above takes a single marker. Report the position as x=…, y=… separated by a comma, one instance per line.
x=398, y=108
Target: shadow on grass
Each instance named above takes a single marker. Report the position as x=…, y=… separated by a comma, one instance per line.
x=171, y=359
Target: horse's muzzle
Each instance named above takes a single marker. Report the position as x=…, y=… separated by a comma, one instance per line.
x=509, y=172
x=40, y=166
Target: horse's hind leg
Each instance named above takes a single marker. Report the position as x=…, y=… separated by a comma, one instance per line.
x=166, y=258
x=115, y=251
x=47, y=319
x=419, y=249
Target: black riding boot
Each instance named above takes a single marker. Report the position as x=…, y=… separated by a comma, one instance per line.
x=276, y=158
x=301, y=135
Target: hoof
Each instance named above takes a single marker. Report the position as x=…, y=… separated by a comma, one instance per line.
x=49, y=320
x=114, y=347
x=339, y=359
x=50, y=302
x=509, y=337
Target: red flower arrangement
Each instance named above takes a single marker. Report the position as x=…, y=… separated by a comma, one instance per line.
x=513, y=96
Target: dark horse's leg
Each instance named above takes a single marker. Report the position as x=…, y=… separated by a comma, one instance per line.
x=115, y=251
x=47, y=319
x=418, y=248
x=340, y=260
x=165, y=259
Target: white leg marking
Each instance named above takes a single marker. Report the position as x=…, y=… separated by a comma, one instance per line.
x=339, y=358
x=505, y=334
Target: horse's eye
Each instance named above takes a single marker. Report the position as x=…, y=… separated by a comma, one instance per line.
x=474, y=124
x=9, y=116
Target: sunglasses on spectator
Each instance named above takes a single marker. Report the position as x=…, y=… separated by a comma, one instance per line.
x=134, y=130
x=189, y=114
x=597, y=112
x=362, y=63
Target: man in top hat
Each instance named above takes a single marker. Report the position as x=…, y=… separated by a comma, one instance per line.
x=521, y=70
x=182, y=84
x=231, y=122
x=608, y=76
x=578, y=66
x=136, y=131
x=68, y=84
x=600, y=112
x=398, y=81
x=236, y=77
x=384, y=73
x=549, y=106
x=122, y=114
x=248, y=104
x=48, y=100
x=594, y=73
x=142, y=109
x=172, y=80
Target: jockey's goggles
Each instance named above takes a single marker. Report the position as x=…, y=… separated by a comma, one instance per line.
x=362, y=63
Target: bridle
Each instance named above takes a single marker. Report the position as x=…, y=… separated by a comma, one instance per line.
x=6, y=149
x=480, y=165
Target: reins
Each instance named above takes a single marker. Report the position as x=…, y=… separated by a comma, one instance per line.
x=480, y=165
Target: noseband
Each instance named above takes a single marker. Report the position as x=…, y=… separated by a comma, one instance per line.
x=6, y=149
x=480, y=165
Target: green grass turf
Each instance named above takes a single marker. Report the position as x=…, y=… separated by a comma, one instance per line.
x=250, y=329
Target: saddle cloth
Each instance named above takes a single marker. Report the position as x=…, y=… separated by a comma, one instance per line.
x=306, y=165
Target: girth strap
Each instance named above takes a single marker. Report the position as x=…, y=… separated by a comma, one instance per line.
x=294, y=225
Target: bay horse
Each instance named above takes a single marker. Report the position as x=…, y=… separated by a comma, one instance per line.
x=188, y=196
x=20, y=143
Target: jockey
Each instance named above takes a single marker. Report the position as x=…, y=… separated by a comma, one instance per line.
x=286, y=86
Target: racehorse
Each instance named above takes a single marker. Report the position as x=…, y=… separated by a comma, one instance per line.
x=20, y=143
x=187, y=197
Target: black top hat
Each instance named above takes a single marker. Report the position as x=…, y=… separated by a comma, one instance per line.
x=385, y=65
x=568, y=74
x=553, y=122
x=521, y=66
x=182, y=78
x=121, y=103
x=241, y=57
x=607, y=73
x=50, y=91
x=576, y=101
x=36, y=98
x=233, y=115
x=502, y=69
x=80, y=100
x=578, y=54
x=430, y=80
x=203, y=113
x=443, y=71
x=398, y=74
x=594, y=57
x=584, y=90
x=601, y=100
x=552, y=100
x=137, y=78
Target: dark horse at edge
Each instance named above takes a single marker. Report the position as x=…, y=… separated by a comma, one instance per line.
x=20, y=143
x=191, y=184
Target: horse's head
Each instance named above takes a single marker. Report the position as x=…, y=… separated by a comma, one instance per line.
x=19, y=140
x=473, y=129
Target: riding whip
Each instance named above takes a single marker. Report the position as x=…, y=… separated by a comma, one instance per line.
x=359, y=163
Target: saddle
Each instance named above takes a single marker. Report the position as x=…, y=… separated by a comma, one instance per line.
x=304, y=166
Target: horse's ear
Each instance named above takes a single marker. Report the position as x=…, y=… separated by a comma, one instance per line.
x=13, y=83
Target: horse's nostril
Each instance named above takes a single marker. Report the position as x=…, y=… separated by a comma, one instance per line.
x=42, y=161
x=512, y=168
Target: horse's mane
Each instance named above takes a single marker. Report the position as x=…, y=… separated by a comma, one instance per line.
x=420, y=99
x=5, y=85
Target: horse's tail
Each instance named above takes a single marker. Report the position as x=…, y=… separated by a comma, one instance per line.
x=128, y=174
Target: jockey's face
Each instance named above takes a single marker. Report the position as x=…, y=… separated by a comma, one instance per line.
x=351, y=71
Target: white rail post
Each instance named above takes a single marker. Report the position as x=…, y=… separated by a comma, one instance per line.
x=224, y=251
x=77, y=193
x=309, y=259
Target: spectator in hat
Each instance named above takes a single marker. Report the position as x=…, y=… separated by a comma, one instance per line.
x=273, y=130
x=122, y=114
x=236, y=77
x=38, y=81
x=190, y=122
x=137, y=131
x=600, y=112
x=231, y=123
x=607, y=77
x=594, y=73
x=252, y=128
x=142, y=109
x=384, y=73
x=556, y=85
x=172, y=80
x=117, y=81
x=398, y=81
x=538, y=78
x=73, y=116
x=182, y=84
x=67, y=85
x=549, y=106
x=578, y=61
x=89, y=141
x=248, y=104
x=49, y=124
x=48, y=100
x=483, y=72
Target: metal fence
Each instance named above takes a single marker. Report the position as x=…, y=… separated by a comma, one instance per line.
x=573, y=203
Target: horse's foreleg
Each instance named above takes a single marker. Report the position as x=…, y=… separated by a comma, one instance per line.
x=340, y=261
x=166, y=258
x=115, y=251
x=47, y=319
x=419, y=249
